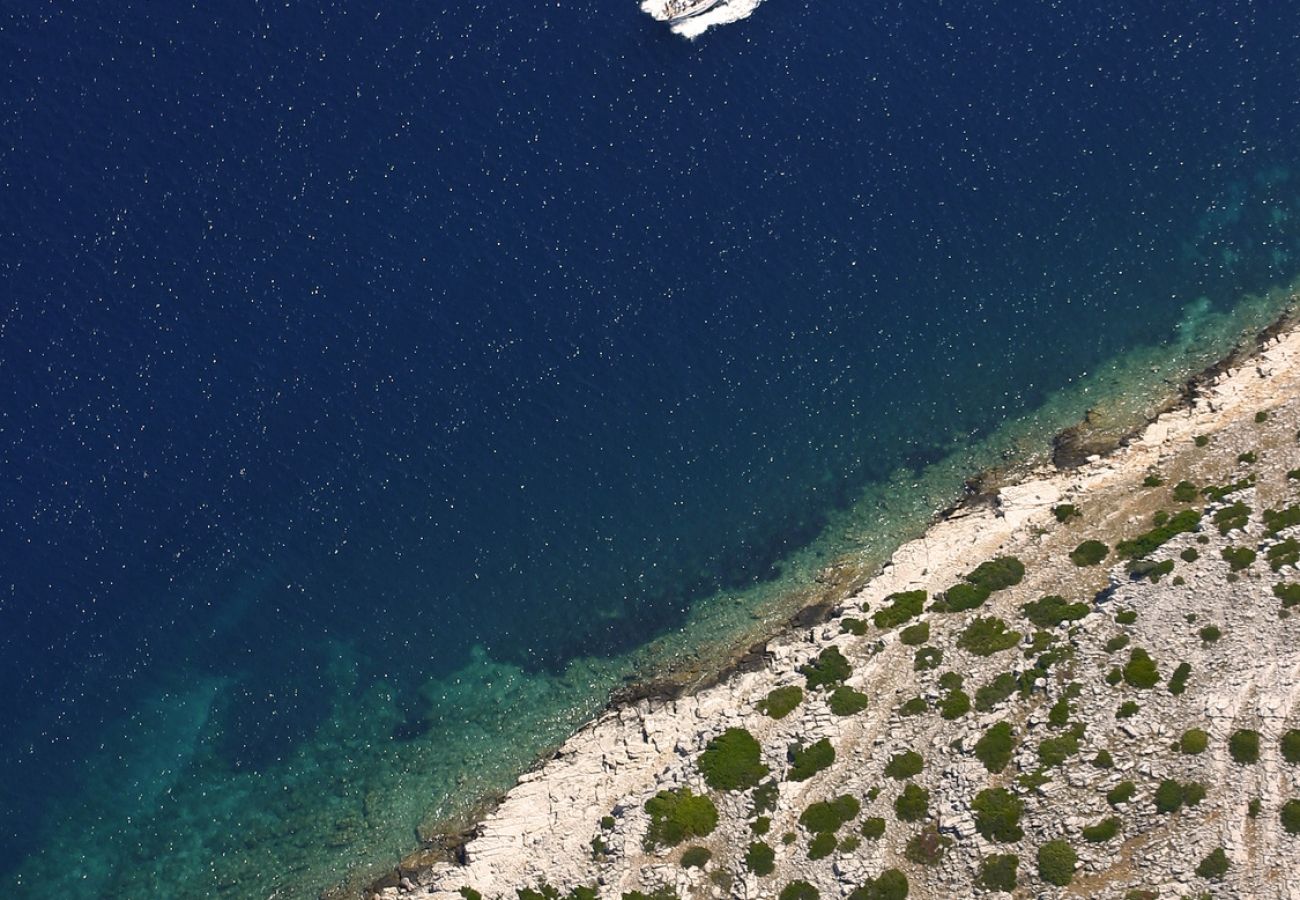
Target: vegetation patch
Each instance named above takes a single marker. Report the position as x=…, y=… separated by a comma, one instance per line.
x=1210, y=633
x=1140, y=671
x=780, y=702
x=998, y=872
x=995, y=746
x=1290, y=744
x=845, y=701
x=760, y=858
x=1121, y=793
x=1217, y=493
x=822, y=845
x=913, y=804
x=1102, y=831
x=890, y=884
x=732, y=761
x=955, y=704
x=1276, y=520
x=873, y=827
x=915, y=635
x=1146, y=543
x=1234, y=516
x=902, y=766
x=1052, y=610
x=1117, y=643
x=1243, y=746
x=853, y=626
x=1150, y=569
x=996, y=691
x=927, y=847
x=1283, y=553
x=1289, y=594
x=830, y=815
x=987, y=635
x=1056, y=863
x=805, y=762
x=1238, y=558
x=696, y=857
x=1290, y=815
x=997, y=815
x=1185, y=492
x=963, y=596
x=901, y=607
x=1089, y=553
x=799, y=890
x=1064, y=512
x=927, y=659
x=913, y=707
x=1214, y=866
x=677, y=815
x=1055, y=751
x=1178, y=681
x=998, y=574
x=1126, y=617
x=830, y=668
x=1193, y=742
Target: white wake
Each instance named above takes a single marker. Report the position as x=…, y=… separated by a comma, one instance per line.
x=691, y=18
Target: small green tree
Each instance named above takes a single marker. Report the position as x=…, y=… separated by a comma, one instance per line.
x=1243, y=746
x=1214, y=866
x=760, y=858
x=1056, y=862
x=997, y=815
x=732, y=761
x=998, y=872
x=913, y=804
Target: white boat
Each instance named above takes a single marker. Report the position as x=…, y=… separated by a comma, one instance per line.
x=691, y=18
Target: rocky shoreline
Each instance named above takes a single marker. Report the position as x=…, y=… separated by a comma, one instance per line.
x=580, y=820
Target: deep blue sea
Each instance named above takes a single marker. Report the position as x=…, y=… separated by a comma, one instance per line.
x=381, y=385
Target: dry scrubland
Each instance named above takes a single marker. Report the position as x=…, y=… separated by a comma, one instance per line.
x=1084, y=685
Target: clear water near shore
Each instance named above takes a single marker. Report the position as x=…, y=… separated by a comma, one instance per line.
x=383, y=393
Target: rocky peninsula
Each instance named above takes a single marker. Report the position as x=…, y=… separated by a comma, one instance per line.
x=1083, y=683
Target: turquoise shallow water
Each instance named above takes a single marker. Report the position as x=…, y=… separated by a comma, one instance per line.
x=382, y=392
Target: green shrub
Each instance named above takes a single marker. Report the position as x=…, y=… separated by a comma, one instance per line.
x=987, y=635
x=998, y=574
x=1201, y=440
x=1289, y=594
x=845, y=701
x=1052, y=610
x=1243, y=746
x=799, y=890
x=1189, y=555
x=913, y=804
x=733, y=761
x=1117, y=643
x=1276, y=520
x=1210, y=633
x=1253, y=808
x=964, y=596
x=1064, y=512
x=760, y=858
x=805, y=762
x=901, y=607
x=1231, y=517
x=1290, y=744
x=1140, y=671
x=927, y=659
x=1238, y=558
x=995, y=692
x=469, y=893
x=995, y=746
x=1178, y=681
x=1059, y=715
x=1283, y=553
x=1055, y=751
x=1193, y=742
x=873, y=827
x=1114, y=676
x=1169, y=796
x=660, y=893
x=761, y=826
x=696, y=857
x=955, y=705
x=927, y=847
x=1152, y=481
x=830, y=668
x=890, y=885
x=915, y=635
x=902, y=766
x=1146, y=543
x=830, y=815
x=1103, y=760
x=1193, y=793
x=677, y=815
x=1290, y=815
x=1248, y=458
x=1214, y=866
x=1149, y=569
x=1089, y=553
x=1216, y=493
x=998, y=872
x=1121, y=793
x=1126, y=617
x=764, y=797
x=913, y=707
x=1185, y=492
x=853, y=626
x=780, y=702
x=1056, y=862
x=997, y=815
x=1127, y=710
x=951, y=681
x=1103, y=831
x=822, y=845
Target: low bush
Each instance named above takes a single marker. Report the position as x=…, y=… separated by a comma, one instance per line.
x=913, y=707
x=822, y=845
x=764, y=797
x=1126, y=617
x=1193, y=742
x=830, y=815
x=1238, y=558
x=1214, y=866
x=1201, y=440
x=1232, y=517
x=853, y=626
x=1290, y=744
x=805, y=762
x=1248, y=458
x=677, y=815
x=901, y=607
x=1152, y=481
x=1103, y=760
x=830, y=668
x=995, y=692
x=913, y=804
x=927, y=847
x=760, y=858
x=995, y=746
x=1210, y=633
x=1089, y=553
x=799, y=890
x=1059, y=715
x=915, y=635
x=927, y=659
x=1114, y=676
x=780, y=702
x=997, y=815
x=845, y=701
x=1193, y=793
x=1055, y=751
x=1117, y=643
x=696, y=857
x=1146, y=543
x=1276, y=520
x=761, y=826
x=1127, y=710
x=963, y=596
x=1064, y=512
x=1290, y=815
x=987, y=635
x=1052, y=610
x=1289, y=594
x=891, y=884
x=955, y=705
x=1121, y=793
x=1140, y=671
x=1185, y=492
x=1283, y=553
x=1243, y=746
x=998, y=872
x=873, y=827
x=998, y=574
x=1168, y=796
x=1217, y=493
x=732, y=761
x=902, y=766
x=1056, y=862
x=1178, y=680
x=1103, y=831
